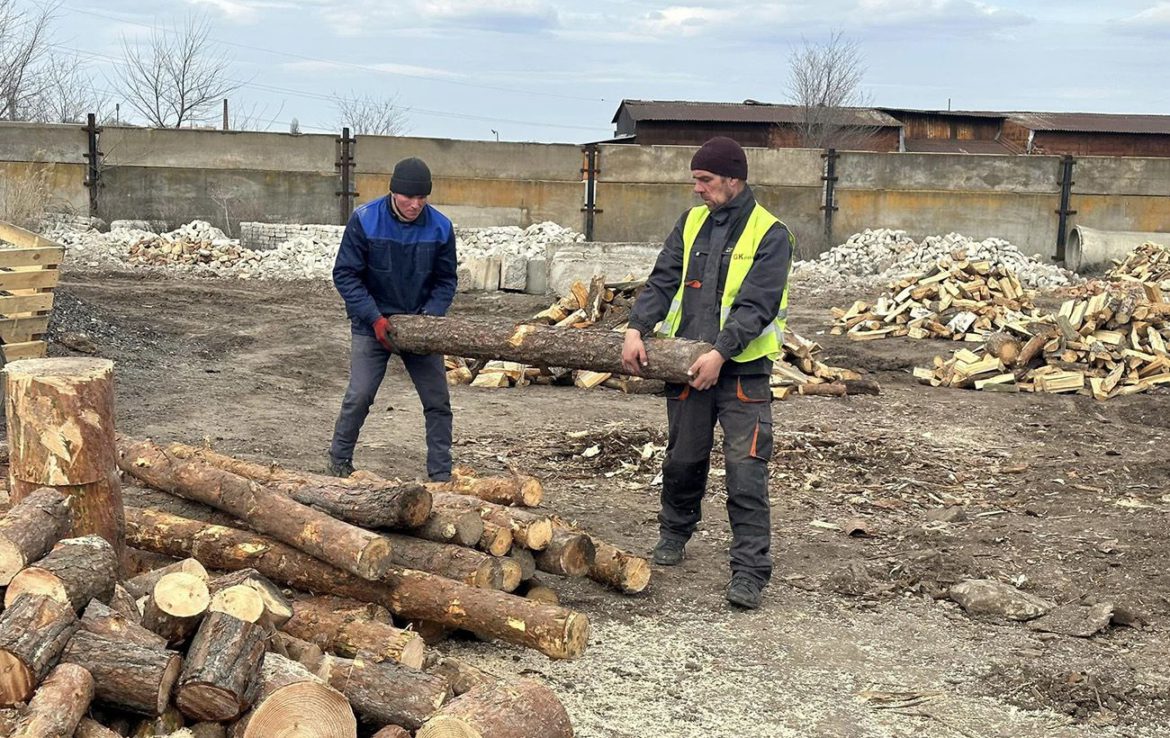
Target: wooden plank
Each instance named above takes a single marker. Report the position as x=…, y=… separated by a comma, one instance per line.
x=18, y=236
x=25, y=350
x=44, y=256
x=26, y=279
x=16, y=304
x=17, y=330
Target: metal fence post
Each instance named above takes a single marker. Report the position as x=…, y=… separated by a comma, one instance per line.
x=344, y=164
x=830, y=204
x=1067, y=163
x=93, y=172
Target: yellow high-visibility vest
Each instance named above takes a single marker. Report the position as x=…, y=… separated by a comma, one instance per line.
x=770, y=341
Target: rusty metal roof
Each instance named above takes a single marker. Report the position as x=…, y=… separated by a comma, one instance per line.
x=946, y=113
x=1094, y=122
x=751, y=112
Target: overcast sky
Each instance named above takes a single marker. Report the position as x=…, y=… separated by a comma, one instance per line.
x=556, y=71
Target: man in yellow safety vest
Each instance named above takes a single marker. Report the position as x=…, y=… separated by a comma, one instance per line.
x=722, y=277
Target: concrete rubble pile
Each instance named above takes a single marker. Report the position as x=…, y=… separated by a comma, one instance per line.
x=508, y=258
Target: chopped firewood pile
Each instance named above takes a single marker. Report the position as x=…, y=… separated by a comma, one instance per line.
x=1148, y=264
x=959, y=299
x=244, y=599
x=1111, y=344
x=606, y=306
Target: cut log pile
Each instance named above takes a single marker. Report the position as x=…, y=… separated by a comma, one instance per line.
x=1111, y=344
x=606, y=306
x=958, y=299
x=298, y=617
x=1148, y=264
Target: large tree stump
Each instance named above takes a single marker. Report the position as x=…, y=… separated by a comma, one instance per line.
x=128, y=675
x=108, y=623
x=59, y=704
x=542, y=345
x=33, y=632
x=143, y=584
x=176, y=606
x=386, y=504
x=61, y=434
x=464, y=527
x=517, y=710
x=222, y=662
x=76, y=571
x=513, y=490
x=30, y=528
x=569, y=554
x=348, y=547
x=288, y=694
x=386, y=693
x=346, y=628
x=446, y=560
x=554, y=631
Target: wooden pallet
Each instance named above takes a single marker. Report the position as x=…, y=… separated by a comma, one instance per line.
x=28, y=274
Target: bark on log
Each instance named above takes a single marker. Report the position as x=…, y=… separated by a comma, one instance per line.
x=169, y=723
x=569, y=554
x=136, y=562
x=530, y=529
x=108, y=623
x=536, y=589
x=388, y=504
x=221, y=664
x=511, y=574
x=496, y=539
x=827, y=389
x=345, y=628
x=392, y=731
x=446, y=560
x=386, y=693
x=307, y=654
x=143, y=584
x=862, y=387
x=30, y=528
x=33, y=632
x=451, y=526
x=61, y=434
x=90, y=728
x=176, y=606
x=277, y=607
x=554, y=631
x=461, y=676
x=611, y=565
x=123, y=602
x=348, y=547
x=76, y=571
x=59, y=704
x=542, y=345
x=513, y=490
x=207, y=730
x=288, y=694
x=127, y=675
x=1003, y=346
x=518, y=710
x=525, y=560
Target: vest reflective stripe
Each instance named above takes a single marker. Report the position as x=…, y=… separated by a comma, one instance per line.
x=771, y=339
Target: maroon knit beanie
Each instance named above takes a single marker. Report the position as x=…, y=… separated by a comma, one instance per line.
x=721, y=156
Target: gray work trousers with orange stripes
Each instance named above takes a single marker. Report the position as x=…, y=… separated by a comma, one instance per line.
x=742, y=406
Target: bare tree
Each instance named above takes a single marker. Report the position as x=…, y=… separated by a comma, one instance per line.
x=24, y=45
x=66, y=95
x=371, y=116
x=825, y=84
x=176, y=77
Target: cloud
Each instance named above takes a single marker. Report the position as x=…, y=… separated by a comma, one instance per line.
x=415, y=17
x=403, y=70
x=1153, y=21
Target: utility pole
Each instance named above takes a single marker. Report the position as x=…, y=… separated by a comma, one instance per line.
x=225, y=114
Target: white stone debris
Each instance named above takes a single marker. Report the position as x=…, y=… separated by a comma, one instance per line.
x=529, y=243
x=875, y=257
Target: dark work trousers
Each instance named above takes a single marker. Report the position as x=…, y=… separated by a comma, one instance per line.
x=367, y=367
x=742, y=405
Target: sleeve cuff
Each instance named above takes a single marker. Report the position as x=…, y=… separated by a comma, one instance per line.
x=723, y=349
x=641, y=329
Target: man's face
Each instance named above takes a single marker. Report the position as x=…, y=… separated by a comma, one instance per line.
x=714, y=189
x=409, y=207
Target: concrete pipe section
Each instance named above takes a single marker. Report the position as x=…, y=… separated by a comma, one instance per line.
x=1089, y=248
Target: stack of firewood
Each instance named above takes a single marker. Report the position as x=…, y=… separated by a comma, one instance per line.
x=1113, y=343
x=1148, y=264
x=607, y=306
x=957, y=299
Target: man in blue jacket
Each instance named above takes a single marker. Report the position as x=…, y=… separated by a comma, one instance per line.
x=397, y=257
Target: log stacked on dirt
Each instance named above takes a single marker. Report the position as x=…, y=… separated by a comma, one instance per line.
x=350, y=627
x=289, y=694
x=957, y=298
x=532, y=532
x=520, y=710
x=130, y=673
x=76, y=571
x=30, y=528
x=1108, y=345
x=461, y=676
x=1149, y=265
x=221, y=664
x=453, y=562
x=568, y=554
x=512, y=489
x=386, y=692
x=61, y=434
x=58, y=705
x=34, y=630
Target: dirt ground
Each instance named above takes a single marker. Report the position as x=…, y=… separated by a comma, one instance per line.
x=1064, y=496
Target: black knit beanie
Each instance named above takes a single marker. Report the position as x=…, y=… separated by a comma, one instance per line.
x=411, y=178
x=721, y=156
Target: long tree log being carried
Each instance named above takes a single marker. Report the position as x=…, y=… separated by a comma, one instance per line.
x=348, y=547
x=601, y=351
x=554, y=631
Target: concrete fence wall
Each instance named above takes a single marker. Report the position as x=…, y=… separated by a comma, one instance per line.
x=227, y=177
